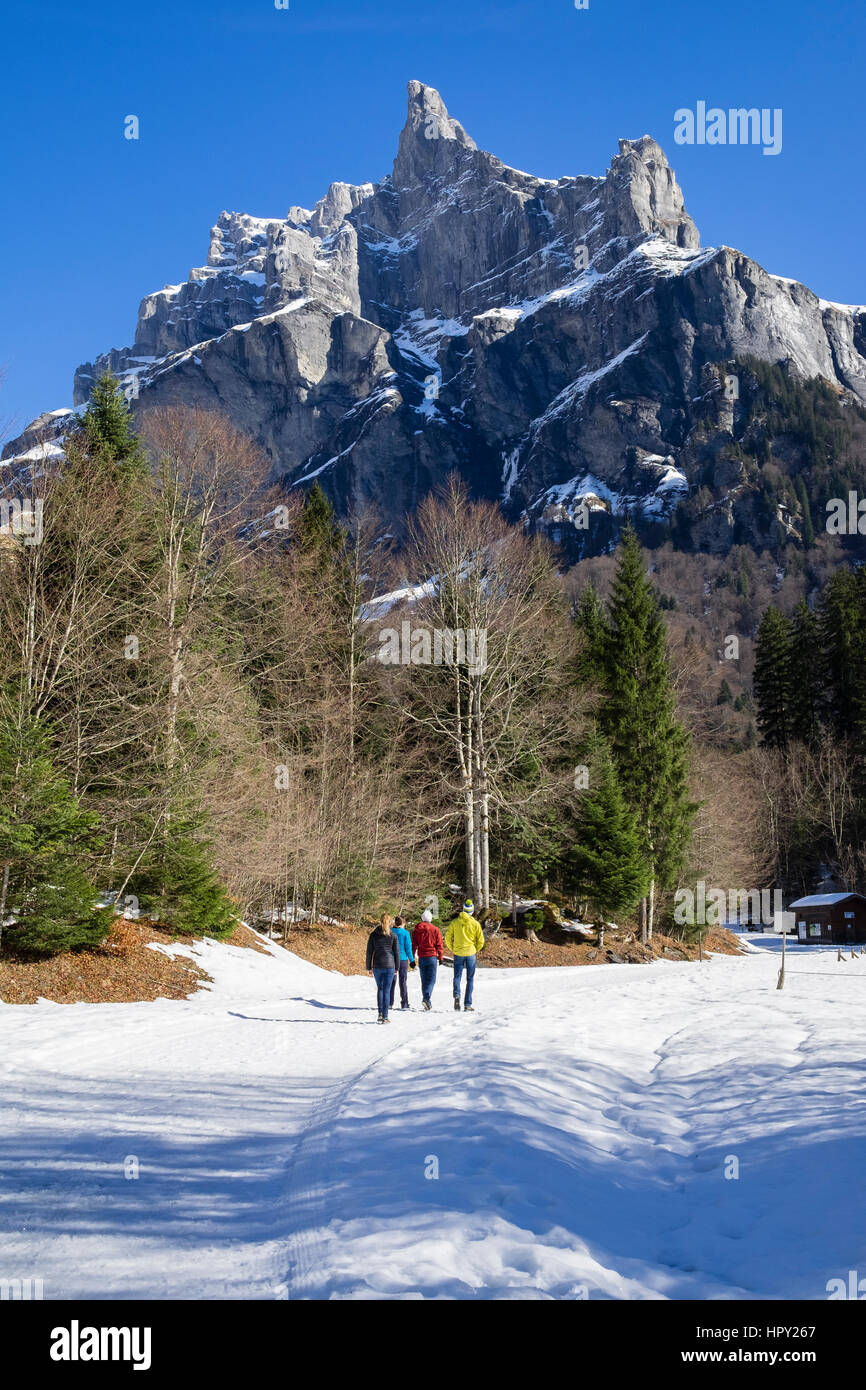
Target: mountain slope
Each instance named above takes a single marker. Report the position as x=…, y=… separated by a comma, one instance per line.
x=563, y=343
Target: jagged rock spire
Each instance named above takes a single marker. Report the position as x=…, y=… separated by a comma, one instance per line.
x=430, y=140
x=641, y=173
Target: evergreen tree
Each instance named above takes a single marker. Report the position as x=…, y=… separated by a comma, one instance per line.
x=317, y=529
x=177, y=886
x=773, y=679
x=803, y=499
x=638, y=718
x=590, y=623
x=107, y=428
x=47, y=901
x=530, y=844
x=606, y=864
x=842, y=614
x=806, y=682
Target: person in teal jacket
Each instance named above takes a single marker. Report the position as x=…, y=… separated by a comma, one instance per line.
x=407, y=960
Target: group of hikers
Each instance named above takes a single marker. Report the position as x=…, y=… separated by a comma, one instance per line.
x=392, y=950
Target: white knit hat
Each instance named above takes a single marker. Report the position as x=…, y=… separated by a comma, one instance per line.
x=427, y=916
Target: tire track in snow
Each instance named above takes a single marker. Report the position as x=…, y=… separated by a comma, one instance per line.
x=307, y=1173
x=675, y=1142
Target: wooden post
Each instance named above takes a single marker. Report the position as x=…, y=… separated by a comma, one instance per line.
x=781, y=984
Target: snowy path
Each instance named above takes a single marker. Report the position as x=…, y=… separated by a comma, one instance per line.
x=581, y=1123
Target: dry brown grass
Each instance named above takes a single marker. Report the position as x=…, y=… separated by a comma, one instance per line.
x=124, y=970
x=342, y=948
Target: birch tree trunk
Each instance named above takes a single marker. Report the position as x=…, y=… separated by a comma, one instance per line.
x=485, y=850
x=465, y=754
x=3, y=895
x=508, y=702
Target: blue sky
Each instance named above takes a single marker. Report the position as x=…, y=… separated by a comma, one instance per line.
x=247, y=107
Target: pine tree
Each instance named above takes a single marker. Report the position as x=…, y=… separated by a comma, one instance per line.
x=176, y=884
x=773, y=679
x=590, y=623
x=107, y=428
x=638, y=718
x=606, y=864
x=803, y=499
x=842, y=615
x=805, y=674
x=47, y=901
x=317, y=529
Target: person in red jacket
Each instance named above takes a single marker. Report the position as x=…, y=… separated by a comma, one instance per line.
x=428, y=946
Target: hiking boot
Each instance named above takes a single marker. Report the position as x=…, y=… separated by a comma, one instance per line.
x=456, y=1004
x=468, y=1009
x=386, y=1020
x=427, y=1005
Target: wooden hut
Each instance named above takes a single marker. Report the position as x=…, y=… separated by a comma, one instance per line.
x=838, y=919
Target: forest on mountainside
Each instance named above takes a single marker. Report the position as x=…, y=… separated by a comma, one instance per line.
x=200, y=720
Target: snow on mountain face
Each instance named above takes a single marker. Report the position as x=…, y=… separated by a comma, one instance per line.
x=461, y=314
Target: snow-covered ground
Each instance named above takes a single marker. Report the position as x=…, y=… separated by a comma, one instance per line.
x=581, y=1122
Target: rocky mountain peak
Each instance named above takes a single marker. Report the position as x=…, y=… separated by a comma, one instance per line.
x=430, y=139
x=235, y=237
x=649, y=193
x=563, y=343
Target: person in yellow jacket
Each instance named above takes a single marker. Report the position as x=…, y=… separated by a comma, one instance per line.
x=464, y=939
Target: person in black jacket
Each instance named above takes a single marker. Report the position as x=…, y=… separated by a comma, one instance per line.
x=383, y=961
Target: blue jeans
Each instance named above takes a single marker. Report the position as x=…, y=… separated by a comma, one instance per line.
x=384, y=979
x=459, y=963
x=428, y=967
x=401, y=975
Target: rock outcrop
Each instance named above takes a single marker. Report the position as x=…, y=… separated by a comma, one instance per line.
x=565, y=344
